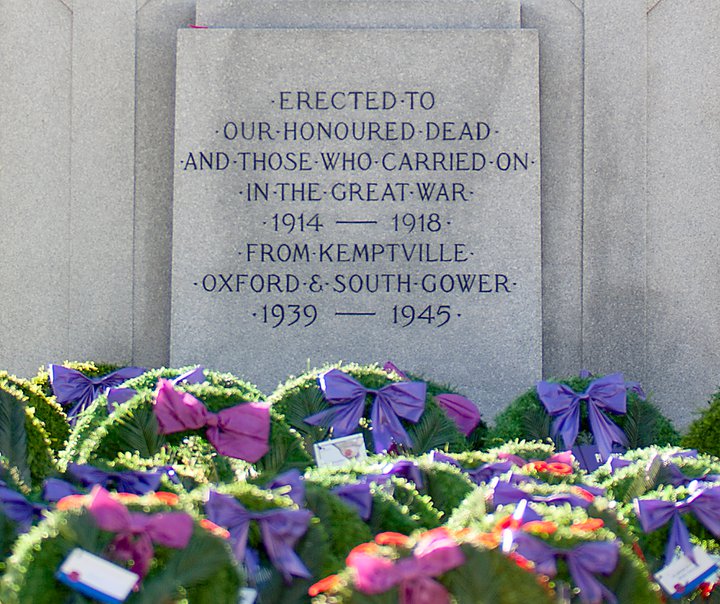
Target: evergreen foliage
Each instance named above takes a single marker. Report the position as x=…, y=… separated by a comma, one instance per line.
x=24, y=443
x=704, y=433
x=47, y=410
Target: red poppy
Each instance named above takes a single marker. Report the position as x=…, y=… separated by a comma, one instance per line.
x=215, y=529
x=540, y=526
x=71, y=502
x=390, y=538
x=329, y=583
x=557, y=467
x=591, y=524
x=167, y=498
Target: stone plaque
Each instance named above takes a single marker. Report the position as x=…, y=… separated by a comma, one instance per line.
x=363, y=195
x=358, y=13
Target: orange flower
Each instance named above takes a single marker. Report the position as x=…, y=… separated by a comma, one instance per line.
x=540, y=526
x=462, y=533
x=507, y=523
x=489, y=540
x=557, y=467
x=523, y=563
x=167, y=498
x=71, y=502
x=537, y=466
x=441, y=531
x=369, y=548
x=125, y=497
x=391, y=538
x=580, y=492
x=215, y=529
x=329, y=583
x=591, y=524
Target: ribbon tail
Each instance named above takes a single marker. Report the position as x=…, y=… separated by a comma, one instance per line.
x=567, y=425
x=592, y=591
x=605, y=431
x=343, y=418
x=282, y=555
x=679, y=537
x=386, y=427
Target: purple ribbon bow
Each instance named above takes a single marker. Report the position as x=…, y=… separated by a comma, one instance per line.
x=505, y=494
x=118, y=396
x=347, y=399
x=19, y=509
x=55, y=489
x=629, y=386
x=292, y=479
x=584, y=562
x=241, y=431
x=136, y=532
x=459, y=409
x=654, y=513
x=677, y=478
x=604, y=394
x=357, y=496
x=280, y=528
x=481, y=474
x=130, y=481
x=71, y=387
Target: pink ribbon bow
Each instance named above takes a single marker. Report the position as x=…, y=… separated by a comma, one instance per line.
x=241, y=431
x=137, y=532
x=434, y=554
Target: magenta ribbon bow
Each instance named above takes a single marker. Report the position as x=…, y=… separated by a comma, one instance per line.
x=584, y=562
x=604, y=394
x=281, y=529
x=71, y=387
x=347, y=399
x=136, y=532
x=506, y=494
x=241, y=431
x=434, y=554
x=654, y=513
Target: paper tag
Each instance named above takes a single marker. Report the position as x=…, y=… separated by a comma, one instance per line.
x=340, y=451
x=96, y=577
x=248, y=595
x=682, y=575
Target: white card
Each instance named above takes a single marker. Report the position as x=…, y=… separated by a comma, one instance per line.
x=340, y=451
x=248, y=595
x=682, y=575
x=96, y=577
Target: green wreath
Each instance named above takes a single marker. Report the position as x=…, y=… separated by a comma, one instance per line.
x=133, y=427
x=47, y=410
x=97, y=412
x=485, y=576
x=301, y=397
x=527, y=418
x=564, y=527
x=202, y=573
x=24, y=442
x=646, y=473
x=314, y=548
